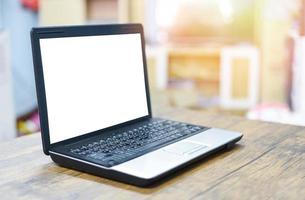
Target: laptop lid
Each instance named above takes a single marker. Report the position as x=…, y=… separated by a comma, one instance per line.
x=89, y=79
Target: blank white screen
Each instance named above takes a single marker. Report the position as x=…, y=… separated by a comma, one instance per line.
x=92, y=82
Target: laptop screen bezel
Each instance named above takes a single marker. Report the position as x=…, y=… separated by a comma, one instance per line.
x=76, y=31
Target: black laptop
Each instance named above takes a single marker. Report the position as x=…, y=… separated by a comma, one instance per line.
x=95, y=111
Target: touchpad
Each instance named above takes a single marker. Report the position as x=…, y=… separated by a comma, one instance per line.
x=185, y=147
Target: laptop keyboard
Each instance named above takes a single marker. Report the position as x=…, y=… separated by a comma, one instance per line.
x=126, y=145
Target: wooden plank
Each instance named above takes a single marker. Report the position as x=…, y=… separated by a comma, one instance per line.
x=267, y=163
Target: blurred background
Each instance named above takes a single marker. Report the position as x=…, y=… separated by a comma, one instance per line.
x=235, y=57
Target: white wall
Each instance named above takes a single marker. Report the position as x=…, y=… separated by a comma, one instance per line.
x=7, y=115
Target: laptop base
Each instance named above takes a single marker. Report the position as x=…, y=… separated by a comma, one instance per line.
x=94, y=169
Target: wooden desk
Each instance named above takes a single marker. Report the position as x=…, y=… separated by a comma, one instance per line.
x=269, y=162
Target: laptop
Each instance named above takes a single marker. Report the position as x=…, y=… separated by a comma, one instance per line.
x=95, y=111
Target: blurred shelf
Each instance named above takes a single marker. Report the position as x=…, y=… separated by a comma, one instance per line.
x=69, y=12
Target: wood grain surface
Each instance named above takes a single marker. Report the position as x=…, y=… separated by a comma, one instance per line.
x=268, y=163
